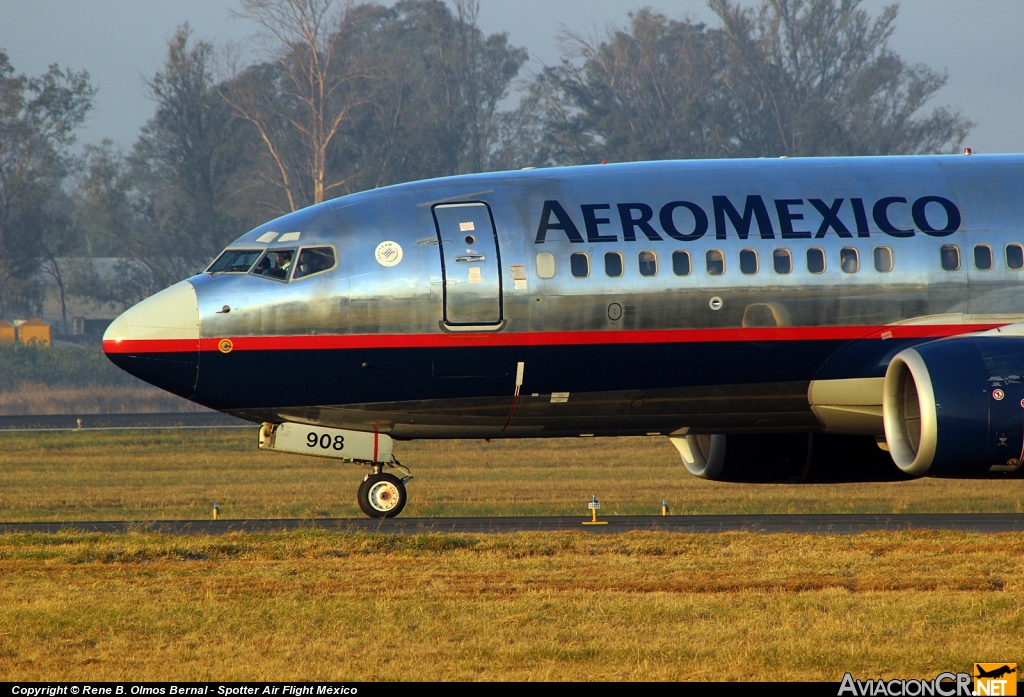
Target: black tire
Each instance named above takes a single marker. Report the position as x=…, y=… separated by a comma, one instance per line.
x=382, y=496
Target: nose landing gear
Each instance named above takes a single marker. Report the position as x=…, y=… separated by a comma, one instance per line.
x=382, y=495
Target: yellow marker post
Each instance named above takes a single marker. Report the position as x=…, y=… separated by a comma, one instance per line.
x=216, y=511
x=664, y=507
x=594, y=505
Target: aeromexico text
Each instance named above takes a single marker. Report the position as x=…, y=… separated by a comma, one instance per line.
x=687, y=221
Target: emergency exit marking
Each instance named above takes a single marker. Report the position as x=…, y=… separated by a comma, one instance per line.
x=467, y=227
x=474, y=275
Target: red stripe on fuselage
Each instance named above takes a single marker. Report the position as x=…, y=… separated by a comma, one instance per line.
x=583, y=338
x=152, y=346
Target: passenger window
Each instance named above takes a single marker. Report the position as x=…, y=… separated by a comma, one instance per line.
x=235, y=261
x=314, y=260
x=815, y=260
x=849, y=262
x=681, y=263
x=546, y=265
x=883, y=259
x=982, y=257
x=1014, y=256
x=275, y=263
x=613, y=264
x=579, y=264
x=949, y=256
x=715, y=262
x=748, y=261
x=648, y=263
x=782, y=261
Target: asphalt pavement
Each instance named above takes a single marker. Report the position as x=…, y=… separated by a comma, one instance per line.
x=817, y=524
x=93, y=422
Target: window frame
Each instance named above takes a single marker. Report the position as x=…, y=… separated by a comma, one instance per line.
x=1006, y=258
x=707, y=261
x=536, y=265
x=572, y=269
x=789, y=257
x=622, y=265
x=260, y=251
x=874, y=258
x=959, y=257
x=288, y=277
x=757, y=262
x=316, y=273
x=856, y=259
x=824, y=260
x=991, y=257
x=689, y=262
x=639, y=263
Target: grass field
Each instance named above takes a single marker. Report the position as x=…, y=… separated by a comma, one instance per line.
x=35, y=398
x=147, y=475
x=318, y=605
x=529, y=606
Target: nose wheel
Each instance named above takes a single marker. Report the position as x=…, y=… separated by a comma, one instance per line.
x=382, y=495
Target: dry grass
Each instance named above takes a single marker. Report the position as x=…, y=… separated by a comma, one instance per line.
x=34, y=398
x=179, y=474
x=528, y=606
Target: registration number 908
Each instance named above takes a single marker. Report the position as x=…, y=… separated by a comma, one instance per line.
x=322, y=441
x=325, y=441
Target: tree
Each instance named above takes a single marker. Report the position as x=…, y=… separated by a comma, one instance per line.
x=299, y=103
x=651, y=91
x=38, y=117
x=111, y=215
x=361, y=96
x=171, y=205
x=441, y=82
x=789, y=77
x=816, y=77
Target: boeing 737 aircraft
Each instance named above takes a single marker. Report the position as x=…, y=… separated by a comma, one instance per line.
x=839, y=319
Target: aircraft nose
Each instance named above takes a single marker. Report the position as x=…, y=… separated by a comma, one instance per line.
x=157, y=340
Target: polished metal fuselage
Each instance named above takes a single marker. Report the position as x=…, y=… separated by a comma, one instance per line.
x=637, y=353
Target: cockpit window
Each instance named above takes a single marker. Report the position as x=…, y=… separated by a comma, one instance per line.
x=314, y=260
x=235, y=261
x=276, y=263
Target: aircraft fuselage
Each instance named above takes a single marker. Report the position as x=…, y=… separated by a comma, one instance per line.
x=741, y=296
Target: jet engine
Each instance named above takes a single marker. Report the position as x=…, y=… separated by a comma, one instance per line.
x=955, y=407
x=786, y=457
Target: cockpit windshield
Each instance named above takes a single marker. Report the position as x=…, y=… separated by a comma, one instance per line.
x=276, y=263
x=235, y=261
x=313, y=260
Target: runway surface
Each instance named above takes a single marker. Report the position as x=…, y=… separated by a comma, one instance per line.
x=103, y=422
x=820, y=524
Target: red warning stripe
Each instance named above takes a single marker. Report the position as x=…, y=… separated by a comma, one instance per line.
x=582, y=338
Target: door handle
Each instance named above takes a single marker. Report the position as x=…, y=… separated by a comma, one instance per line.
x=469, y=258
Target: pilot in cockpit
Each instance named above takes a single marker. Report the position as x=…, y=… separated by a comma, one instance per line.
x=275, y=264
x=284, y=264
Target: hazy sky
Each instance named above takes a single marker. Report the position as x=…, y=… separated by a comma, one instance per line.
x=119, y=41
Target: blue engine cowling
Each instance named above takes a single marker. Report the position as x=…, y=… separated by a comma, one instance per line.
x=955, y=407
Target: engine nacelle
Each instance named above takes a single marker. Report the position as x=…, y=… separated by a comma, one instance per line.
x=786, y=457
x=955, y=407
